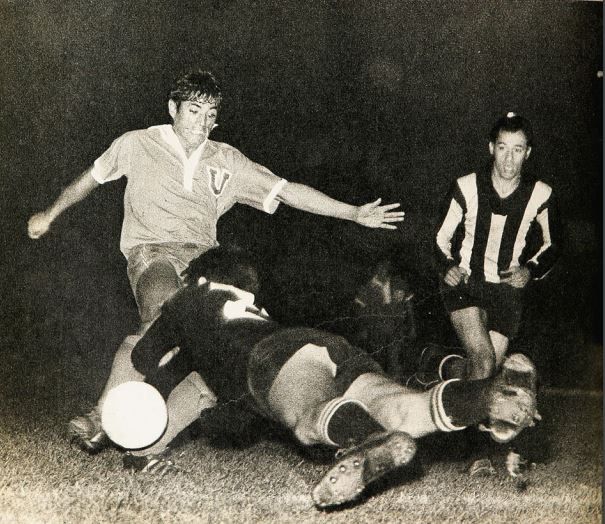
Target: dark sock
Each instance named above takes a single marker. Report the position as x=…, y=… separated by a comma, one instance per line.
x=464, y=402
x=351, y=424
x=454, y=368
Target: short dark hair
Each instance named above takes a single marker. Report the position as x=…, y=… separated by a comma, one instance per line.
x=512, y=123
x=196, y=85
x=224, y=264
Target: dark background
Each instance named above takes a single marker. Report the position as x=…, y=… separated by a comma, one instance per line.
x=359, y=99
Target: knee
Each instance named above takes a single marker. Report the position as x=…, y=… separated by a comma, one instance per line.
x=156, y=285
x=307, y=431
x=306, y=425
x=124, y=352
x=304, y=436
x=470, y=325
x=478, y=347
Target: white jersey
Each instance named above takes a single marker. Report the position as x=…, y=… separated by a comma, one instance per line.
x=170, y=197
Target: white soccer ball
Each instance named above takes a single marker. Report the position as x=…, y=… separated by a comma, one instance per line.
x=134, y=415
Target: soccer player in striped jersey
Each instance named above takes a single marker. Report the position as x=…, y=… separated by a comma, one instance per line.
x=499, y=230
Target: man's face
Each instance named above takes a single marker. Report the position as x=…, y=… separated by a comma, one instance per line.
x=509, y=152
x=193, y=120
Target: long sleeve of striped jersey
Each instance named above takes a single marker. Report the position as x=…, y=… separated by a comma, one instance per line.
x=450, y=218
x=541, y=260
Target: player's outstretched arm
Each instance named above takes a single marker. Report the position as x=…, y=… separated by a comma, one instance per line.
x=79, y=189
x=372, y=215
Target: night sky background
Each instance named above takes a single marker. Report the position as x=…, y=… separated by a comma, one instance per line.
x=358, y=99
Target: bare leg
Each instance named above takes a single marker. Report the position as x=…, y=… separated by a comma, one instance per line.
x=471, y=327
x=449, y=406
x=395, y=407
x=301, y=392
x=500, y=343
x=303, y=395
x=122, y=369
x=156, y=285
x=185, y=404
x=454, y=366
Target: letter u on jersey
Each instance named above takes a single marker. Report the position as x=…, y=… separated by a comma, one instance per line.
x=218, y=180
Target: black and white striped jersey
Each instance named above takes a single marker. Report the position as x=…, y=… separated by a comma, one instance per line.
x=485, y=234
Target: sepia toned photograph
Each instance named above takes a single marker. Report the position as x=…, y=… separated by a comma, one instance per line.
x=282, y=261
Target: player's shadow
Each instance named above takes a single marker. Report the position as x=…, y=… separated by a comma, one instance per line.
x=323, y=457
x=404, y=475
x=464, y=447
x=413, y=472
x=233, y=425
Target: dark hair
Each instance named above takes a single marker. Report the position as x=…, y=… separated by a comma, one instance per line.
x=512, y=123
x=226, y=265
x=196, y=85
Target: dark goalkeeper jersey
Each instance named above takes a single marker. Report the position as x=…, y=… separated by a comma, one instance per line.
x=217, y=327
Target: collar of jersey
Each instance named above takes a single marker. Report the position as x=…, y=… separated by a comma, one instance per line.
x=169, y=136
x=244, y=297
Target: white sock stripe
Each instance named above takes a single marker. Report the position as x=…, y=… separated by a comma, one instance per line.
x=445, y=359
x=325, y=416
x=446, y=420
x=328, y=412
x=442, y=421
x=436, y=416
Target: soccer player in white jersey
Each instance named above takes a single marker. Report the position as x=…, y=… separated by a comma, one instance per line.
x=179, y=184
x=498, y=231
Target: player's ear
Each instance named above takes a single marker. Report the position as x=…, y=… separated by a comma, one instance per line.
x=172, y=108
x=527, y=153
x=491, y=148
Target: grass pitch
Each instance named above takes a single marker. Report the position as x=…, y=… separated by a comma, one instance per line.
x=269, y=479
x=52, y=367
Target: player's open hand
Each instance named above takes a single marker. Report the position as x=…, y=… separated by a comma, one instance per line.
x=455, y=275
x=375, y=215
x=38, y=225
x=516, y=277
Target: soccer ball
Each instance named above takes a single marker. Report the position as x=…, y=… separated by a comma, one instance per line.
x=134, y=415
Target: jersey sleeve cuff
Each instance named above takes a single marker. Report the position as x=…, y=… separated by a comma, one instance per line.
x=446, y=264
x=95, y=172
x=534, y=270
x=271, y=203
